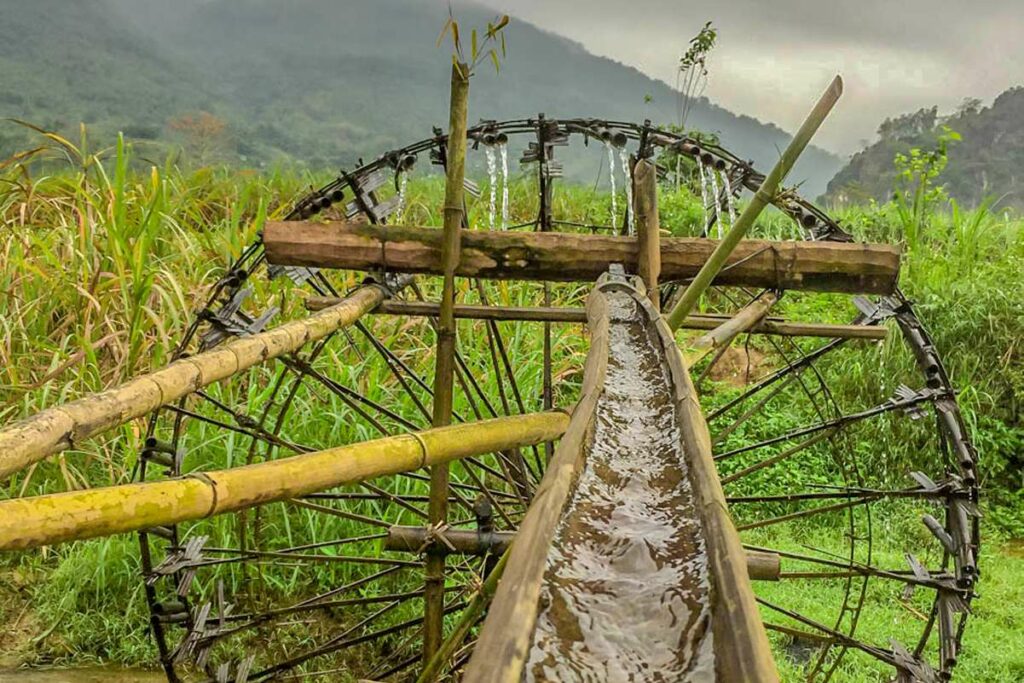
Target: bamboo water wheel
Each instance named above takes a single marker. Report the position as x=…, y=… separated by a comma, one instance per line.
x=329, y=584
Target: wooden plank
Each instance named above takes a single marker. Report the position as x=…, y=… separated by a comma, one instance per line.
x=568, y=257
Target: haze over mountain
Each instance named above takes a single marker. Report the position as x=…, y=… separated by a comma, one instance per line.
x=314, y=81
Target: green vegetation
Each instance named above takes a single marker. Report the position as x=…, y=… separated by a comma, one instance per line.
x=983, y=165
x=104, y=265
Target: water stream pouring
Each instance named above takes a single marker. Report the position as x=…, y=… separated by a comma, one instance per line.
x=628, y=176
x=492, y=175
x=703, y=193
x=503, y=149
x=729, y=199
x=713, y=172
x=611, y=178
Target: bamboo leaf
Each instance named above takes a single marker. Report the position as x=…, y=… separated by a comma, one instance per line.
x=444, y=30
x=474, y=44
x=494, y=58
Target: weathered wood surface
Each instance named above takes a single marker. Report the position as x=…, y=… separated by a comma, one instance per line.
x=64, y=426
x=648, y=225
x=567, y=257
x=721, y=336
x=45, y=520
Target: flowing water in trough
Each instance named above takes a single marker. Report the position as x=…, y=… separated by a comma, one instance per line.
x=626, y=592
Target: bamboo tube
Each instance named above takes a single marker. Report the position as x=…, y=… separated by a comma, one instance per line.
x=574, y=257
x=444, y=367
x=645, y=193
x=65, y=426
x=463, y=541
x=761, y=566
x=764, y=195
x=46, y=520
x=744, y=320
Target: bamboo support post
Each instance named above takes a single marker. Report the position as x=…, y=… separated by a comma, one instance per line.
x=444, y=368
x=764, y=196
x=575, y=257
x=65, y=426
x=648, y=226
x=722, y=336
x=46, y=520
x=467, y=620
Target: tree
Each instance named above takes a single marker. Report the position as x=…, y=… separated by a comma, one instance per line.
x=692, y=74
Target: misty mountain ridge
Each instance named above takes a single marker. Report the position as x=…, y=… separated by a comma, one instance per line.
x=314, y=81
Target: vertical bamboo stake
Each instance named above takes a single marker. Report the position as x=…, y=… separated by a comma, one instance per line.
x=444, y=369
x=764, y=195
x=645, y=193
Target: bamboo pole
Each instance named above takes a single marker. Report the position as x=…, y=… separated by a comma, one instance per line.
x=65, y=426
x=467, y=620
x=45, y=520
x=648, y=226
x=444, y=368
x=764, y=196
x=761, y=566
x=721, y=336
x=567, y=314
x=574, y=257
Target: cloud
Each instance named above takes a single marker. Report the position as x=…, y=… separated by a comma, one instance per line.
x=775, y=56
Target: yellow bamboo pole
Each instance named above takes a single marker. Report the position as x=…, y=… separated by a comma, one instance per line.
x=745, y=319
x=46, y=520
x=65, y=426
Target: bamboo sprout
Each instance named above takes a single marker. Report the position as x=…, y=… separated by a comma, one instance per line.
x=45, y=520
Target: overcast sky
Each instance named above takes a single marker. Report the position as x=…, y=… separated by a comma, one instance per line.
x=775, y=56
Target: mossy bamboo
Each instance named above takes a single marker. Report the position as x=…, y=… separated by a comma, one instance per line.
x=65, y=426
x=46, y=520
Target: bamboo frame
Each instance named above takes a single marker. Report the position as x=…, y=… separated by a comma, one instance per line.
x=722, y=336
x=65, y=426
x=57, y=518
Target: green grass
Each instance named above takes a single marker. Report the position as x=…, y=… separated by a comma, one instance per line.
x=105, y=265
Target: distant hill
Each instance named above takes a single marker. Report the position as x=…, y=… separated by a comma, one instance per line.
x=319, y=81
x=986, y=163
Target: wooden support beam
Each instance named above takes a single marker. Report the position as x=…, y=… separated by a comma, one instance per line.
x=761, y=566
x=565, y=314
x=45, y=520
x=569, y=257
x=64, y=426
x=648, y=225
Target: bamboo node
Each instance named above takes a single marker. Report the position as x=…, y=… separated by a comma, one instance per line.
x=424, y=451
x=206, y=479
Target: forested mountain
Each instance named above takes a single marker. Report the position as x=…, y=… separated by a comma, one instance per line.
x=985, y=163
x=318, y=81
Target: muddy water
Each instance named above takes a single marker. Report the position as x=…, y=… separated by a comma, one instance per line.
x=625, y=596
x=85, y=675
